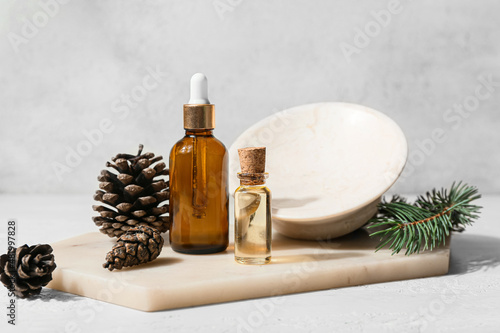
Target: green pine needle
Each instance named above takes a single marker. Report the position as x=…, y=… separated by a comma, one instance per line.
x=427, y=222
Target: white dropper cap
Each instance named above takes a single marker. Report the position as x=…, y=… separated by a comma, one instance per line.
x=199, y=89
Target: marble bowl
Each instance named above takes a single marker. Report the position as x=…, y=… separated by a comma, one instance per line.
x=328, y=164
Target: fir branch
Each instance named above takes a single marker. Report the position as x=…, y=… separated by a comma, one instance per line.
x=427, y=222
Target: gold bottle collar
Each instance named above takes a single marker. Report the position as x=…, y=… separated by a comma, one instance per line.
x=199, y=116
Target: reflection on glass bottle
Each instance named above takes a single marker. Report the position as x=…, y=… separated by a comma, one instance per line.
x=252, y=210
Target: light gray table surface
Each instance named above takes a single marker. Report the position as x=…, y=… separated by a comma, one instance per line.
x=466, y=299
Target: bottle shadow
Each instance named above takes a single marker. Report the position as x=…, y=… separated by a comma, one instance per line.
x=313, y=257
x=472, y=253
x=357, y=240
x=350, y=246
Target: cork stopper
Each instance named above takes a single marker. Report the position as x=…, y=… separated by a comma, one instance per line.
x=253, y=166
x=252, y=159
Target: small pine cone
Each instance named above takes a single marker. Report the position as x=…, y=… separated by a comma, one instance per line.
x=133, y=197
x=26, y=270
x=137, y=246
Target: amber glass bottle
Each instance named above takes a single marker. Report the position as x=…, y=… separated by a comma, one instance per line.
x=198, y=181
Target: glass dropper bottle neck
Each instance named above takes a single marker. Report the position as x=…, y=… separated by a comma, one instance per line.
x=252, y=178
x=199, y=132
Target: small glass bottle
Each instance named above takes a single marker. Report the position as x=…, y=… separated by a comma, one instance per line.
x=252, y=210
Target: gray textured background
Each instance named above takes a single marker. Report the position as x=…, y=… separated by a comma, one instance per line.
x=70, y=72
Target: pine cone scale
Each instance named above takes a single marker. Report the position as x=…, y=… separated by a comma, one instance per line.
x=130, y=249
x=124, y=207
x=112, y=199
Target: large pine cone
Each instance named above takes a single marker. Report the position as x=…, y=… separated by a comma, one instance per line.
x=133, y=196
x=26, y=270
x=137, y=246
